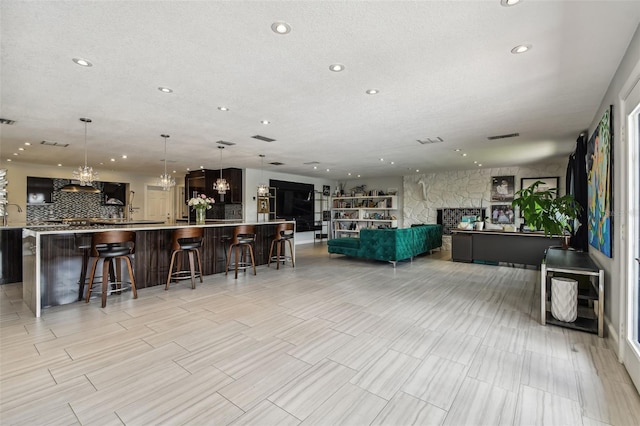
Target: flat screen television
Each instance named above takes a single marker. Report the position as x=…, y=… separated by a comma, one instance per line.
x=295, y=201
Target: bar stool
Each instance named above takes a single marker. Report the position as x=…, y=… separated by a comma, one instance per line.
x=284, y=234
x=187, y=240
x=108, y=246
x=244, y=236
x=83, y=242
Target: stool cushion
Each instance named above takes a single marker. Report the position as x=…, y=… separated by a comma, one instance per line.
x=190, y=245
x=114, y=251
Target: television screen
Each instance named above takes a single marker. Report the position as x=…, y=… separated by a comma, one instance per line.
x=295, y=201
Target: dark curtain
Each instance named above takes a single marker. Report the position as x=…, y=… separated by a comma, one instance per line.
x=577, y=186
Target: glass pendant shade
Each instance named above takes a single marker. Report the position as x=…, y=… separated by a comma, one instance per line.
x=221, y=185
x=166, y=181
x=85, y=175
x=263, y=188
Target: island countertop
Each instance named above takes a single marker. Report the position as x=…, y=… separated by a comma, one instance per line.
x=52, y=261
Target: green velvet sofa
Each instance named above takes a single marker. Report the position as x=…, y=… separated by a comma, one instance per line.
x=389, y=245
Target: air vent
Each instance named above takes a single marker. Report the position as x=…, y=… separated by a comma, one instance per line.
x=277, y=163
x=510, y=135
x=7, y=121
x=263, y=138
x=226, y=143
x=430, y=140
x=308, y=163
x=50, y=143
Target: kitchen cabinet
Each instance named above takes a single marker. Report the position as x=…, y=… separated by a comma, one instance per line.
x=201, y=182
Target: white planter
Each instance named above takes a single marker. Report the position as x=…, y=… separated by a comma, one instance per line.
x=564, y=299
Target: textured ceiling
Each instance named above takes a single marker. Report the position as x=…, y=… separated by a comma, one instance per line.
x=443, y=69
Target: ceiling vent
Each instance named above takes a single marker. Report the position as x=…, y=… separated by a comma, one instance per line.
x=510, y=135
x=49, y=143
x=7, y=121
x=277, y=163
x=309, y=163
x=263, y=138
x=428, y=141
x=226, y=143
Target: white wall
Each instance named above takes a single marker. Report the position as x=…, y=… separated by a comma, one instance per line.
x=466, y=188
x=626, y=76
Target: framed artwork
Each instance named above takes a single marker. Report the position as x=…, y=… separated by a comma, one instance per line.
x=548, y=183
x=326, y=190
x=263, y=205
x=600, y=184
x=502, y=214
x=502, y=188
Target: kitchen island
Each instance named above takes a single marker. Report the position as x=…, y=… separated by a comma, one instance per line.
x=52, y=262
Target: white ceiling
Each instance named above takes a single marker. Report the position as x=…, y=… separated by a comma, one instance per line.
x=443, y=68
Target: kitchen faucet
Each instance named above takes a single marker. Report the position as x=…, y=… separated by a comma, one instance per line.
x=5, y=215
x=130, y=207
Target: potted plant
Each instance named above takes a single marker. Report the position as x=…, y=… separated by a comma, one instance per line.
x=543, y=210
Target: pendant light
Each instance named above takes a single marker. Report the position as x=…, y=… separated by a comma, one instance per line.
x=85, y=174
x=263, y=188
x=221, y=185
x=166, y=181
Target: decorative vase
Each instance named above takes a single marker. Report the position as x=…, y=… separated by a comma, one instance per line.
x=200, y=214
x=564, y=299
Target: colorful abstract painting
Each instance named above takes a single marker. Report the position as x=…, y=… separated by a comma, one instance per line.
x=600, y=177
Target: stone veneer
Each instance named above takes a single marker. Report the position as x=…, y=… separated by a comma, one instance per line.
x=464, y=188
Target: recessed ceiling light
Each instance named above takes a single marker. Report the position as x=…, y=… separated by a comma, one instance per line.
x=165, y=89
x=113, y=159
x=349, y=174
x=174, y=171
x=222, y=108
x=372, y=91
x=475, y=162
x=82, y=62
x=464, y=154
x=358, y=175
x=27, y=143
x=9, y=159
x=265, y=121
x=417, y=170
x=509, y=3
x=20, y=149
x=124, y=156
x=202, y=167
x=328, y=170
x=59, y=165
x=479, y=165
x=393, y=162
x=382, y=159
x=336, y=67
x=457, y=150
x=521, y=48
x=315, y=167
x=15, y=153
x=188, y=169
x=281, y=27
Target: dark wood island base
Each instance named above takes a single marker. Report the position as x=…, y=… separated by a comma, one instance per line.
x=52, y=263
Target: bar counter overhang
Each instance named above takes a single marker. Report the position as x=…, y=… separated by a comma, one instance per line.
x=51, y=262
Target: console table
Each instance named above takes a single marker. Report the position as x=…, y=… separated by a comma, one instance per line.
x=525, y=248
x=578, y=266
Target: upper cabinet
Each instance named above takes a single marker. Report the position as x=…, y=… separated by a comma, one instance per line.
x=39, y=190
x=114, y=194
x=202, y=181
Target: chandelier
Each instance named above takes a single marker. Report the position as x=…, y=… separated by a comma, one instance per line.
x=263, y=188
x=85, y=174
x=166, y=181
x=221, y=185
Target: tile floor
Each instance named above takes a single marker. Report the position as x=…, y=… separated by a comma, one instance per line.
x=333, y=341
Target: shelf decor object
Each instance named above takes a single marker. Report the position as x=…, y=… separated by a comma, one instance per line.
x=166, y=181
x=564, y=299
x=221, y=185
x=85, y=174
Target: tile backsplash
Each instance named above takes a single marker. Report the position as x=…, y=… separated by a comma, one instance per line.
x=72, y=205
